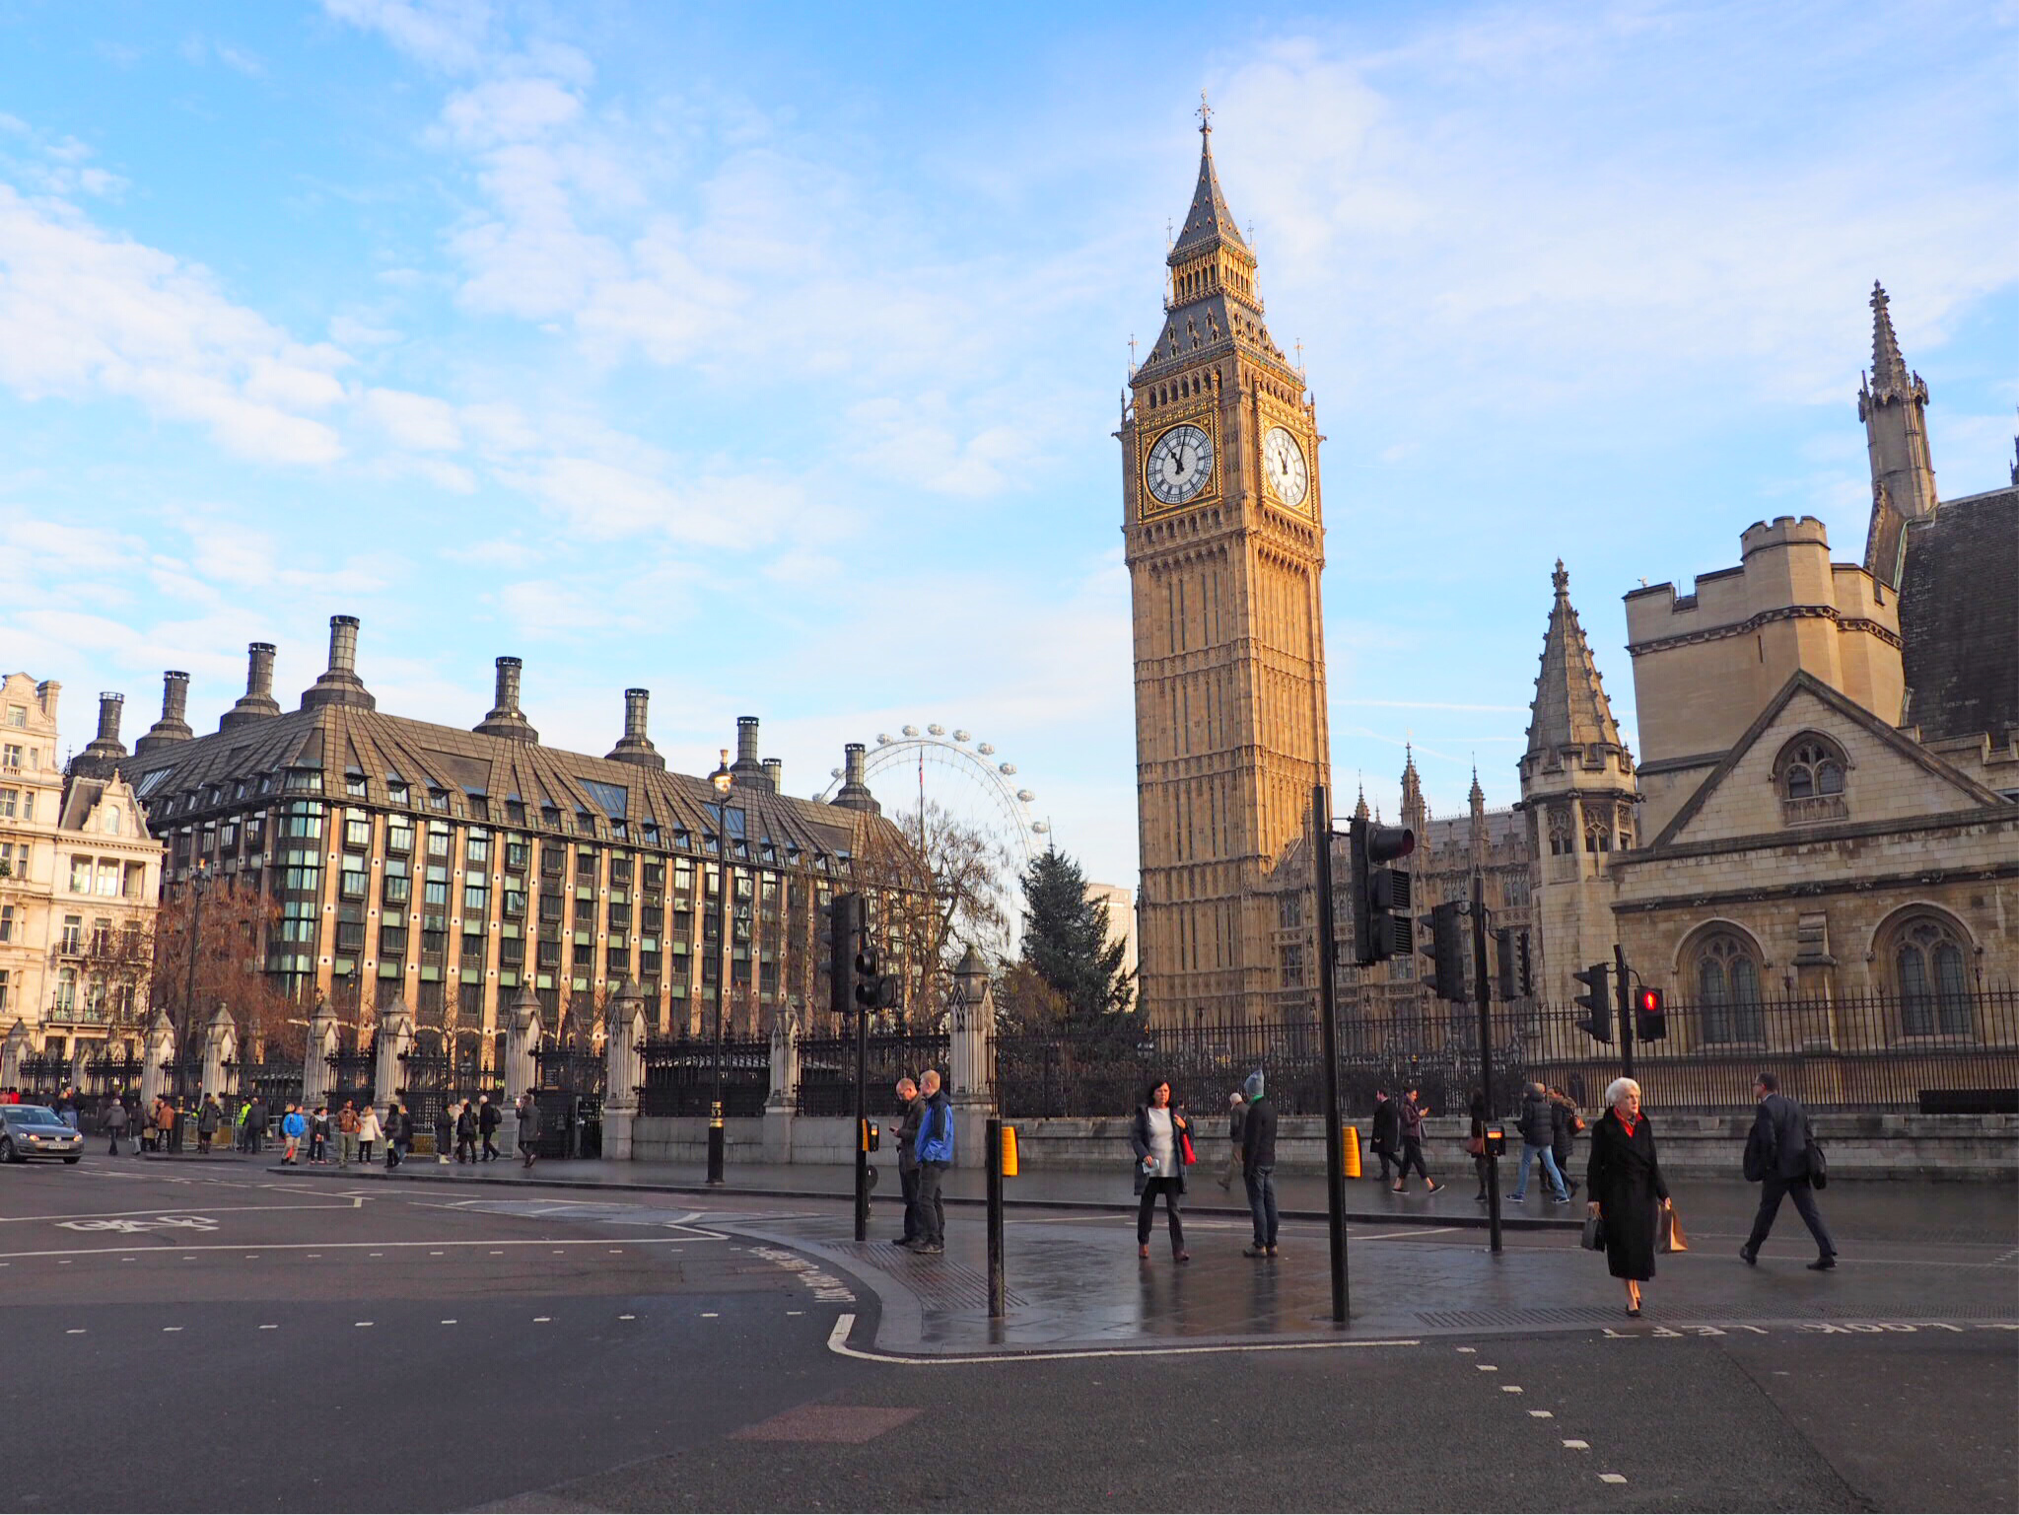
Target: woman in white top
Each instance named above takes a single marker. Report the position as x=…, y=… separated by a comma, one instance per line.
x=369, y=1131
x=1161, y=1137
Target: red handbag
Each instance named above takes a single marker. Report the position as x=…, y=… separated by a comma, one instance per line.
x=1185, y=1147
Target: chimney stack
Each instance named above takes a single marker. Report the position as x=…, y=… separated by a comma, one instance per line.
x=854, y=793
x=105, y=752
x=636, y=747
x=171, y=727
x=749, y=770
x=340, y=684
x=257, y=703
x=774, y=774
x=506, y=719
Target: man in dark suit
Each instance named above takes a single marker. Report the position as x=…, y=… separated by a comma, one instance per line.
x=1777, y=1158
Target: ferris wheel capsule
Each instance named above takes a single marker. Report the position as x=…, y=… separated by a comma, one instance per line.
x=1025, y=795
x=884, y=739
x=1006, y=767
x=910, y=730
x=960, y=736
x=936, y=730
x=986, y=750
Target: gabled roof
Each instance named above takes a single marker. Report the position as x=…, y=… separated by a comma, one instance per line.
x=1570, y=708
x=1959, y=618
x=1806, y=683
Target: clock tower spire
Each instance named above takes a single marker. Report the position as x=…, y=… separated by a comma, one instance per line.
x=1224, y=537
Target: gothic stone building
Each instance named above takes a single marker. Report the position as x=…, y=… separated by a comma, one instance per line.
x=1826, y=803
x=1223, y=533
x=444, y=869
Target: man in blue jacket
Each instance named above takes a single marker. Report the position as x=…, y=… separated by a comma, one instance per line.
x=935, y=1156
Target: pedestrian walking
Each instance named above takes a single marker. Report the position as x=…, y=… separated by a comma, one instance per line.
x=164, y=1123
x=1565, y=1126
x=318, y=1136
x=1410, y=1117
x=935, y=1155
x=255, y=1125
x=208, y=1120
x=115, y=1124
x=1538, y=1140
x=238, y=1123
x=399, y=1126
x=1258, y=1164
x=1627, y=1191
x=529, y=1128
x=1778, y=1159
x=912, y=1105
x=466, y=1133
x=488, y=1121
x=369, y=1132
x=293, y=1127
x=1237, y=1118
x=1385, y=1137
x=1475, y=1141
x=445, y=1132
x=66, y=1108
x=1161, y=1137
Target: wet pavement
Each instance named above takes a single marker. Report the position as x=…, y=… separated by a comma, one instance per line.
x=1915, y=1258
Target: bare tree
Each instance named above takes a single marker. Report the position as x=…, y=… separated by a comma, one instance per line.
x=230, y=968
x=936, y=883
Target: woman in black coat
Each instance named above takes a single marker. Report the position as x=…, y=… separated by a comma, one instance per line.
x=1158, y=1135
x=1626, y=1187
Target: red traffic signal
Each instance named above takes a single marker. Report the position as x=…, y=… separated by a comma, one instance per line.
x=1651, y=1019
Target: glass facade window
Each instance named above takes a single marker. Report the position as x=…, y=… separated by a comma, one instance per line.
x=357, y=829
x=477, y=848
x=397, y=888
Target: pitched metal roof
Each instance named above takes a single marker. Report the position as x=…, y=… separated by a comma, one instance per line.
x=1570, y=707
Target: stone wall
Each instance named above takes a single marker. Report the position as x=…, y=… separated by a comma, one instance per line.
x=1862, y=1146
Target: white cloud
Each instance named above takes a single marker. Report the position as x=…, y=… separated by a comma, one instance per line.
x=450, y=35
x=606, y=501
x=508, y=110
x=349, y=331
x=416, y=421
x=85, y=313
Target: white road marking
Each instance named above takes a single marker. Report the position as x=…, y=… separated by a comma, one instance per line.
x=633, y=1317
x=74, y=1331
x=1577, y=1446
x=269, y=1328
x=837, y=1343
x=711, y=1314
x=448, y=1322
x=360, y=1322
x=643, y=1241
x=543, y=1320
x=11, y=1220
x=1510, y=1388
x=1486, y=1367
x=1411, y=1233
x=1543, y=1414
x=1612, y=1478
x=168, y=1330
x=1468, y=1349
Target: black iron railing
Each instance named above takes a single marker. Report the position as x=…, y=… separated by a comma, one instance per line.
x=827, y=1070
x=680, y=1075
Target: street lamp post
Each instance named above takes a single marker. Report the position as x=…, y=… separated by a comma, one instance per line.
x=717, y=1136
x=199, y=883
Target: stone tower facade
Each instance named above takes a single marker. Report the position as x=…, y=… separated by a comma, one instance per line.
x=1224, y=538
x=1579, y=792
x=1893, y=404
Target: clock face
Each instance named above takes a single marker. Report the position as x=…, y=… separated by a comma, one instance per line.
x=1284, y=466
x=1180, y=464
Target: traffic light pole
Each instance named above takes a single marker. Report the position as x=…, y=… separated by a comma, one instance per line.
x=1623, y=998
x=1483, y=994
x=862, y=1123
x=1328, y=1032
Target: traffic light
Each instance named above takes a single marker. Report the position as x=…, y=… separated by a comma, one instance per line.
x=840, y=930
x=1596, y=999
x=1446, y=949
x=1650, y=1022
x=874, y=989
x=1380, y=894
x=1517, y=979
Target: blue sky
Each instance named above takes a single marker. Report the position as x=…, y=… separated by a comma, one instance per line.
x=767, y=356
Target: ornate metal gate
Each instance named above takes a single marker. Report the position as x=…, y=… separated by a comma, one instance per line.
x=570, y=1097
x=351, y=1076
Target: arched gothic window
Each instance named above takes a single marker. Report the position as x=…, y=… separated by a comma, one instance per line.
x=1559, y=832
x=1930, y=968
x=1728, y=987
x=1810, y=776
x=1597, y=834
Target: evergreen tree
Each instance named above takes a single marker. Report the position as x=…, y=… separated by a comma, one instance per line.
x=1066, y=944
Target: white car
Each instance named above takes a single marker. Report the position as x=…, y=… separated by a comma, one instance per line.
x=34, y=1131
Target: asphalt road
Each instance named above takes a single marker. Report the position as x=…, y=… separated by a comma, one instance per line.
x=183, y=1339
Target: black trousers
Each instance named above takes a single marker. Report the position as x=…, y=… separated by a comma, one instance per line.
x=1146, y=1212
x=490, y=1145
x=907, y=1180
x=931, y=1208
x=1390, y=1163
x=1797, y=1189
x=1412, y=1156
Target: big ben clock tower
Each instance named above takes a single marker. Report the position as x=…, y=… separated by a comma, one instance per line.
x=1224, y=538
